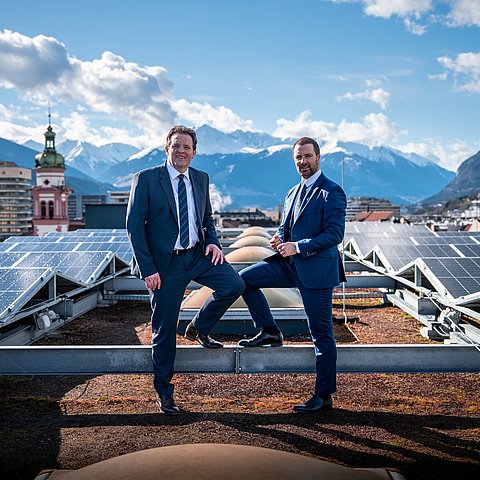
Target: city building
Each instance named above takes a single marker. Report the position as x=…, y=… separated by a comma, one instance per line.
x=356, y=205
x=242, y=217
x=15, y=200
x=50, y=194
x=119, y=196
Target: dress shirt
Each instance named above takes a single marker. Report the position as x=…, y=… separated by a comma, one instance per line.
x=192, y=215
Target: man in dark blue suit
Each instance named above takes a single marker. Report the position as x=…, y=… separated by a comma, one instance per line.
x=173, y=238
x=307, y=257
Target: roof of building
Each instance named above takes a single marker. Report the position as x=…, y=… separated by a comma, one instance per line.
x=377, y=216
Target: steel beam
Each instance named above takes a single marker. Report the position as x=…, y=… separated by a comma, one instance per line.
x=98, y=360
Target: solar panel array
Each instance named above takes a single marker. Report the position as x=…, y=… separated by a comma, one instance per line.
x=82, y=257
x=452, y=258
x=115, y=241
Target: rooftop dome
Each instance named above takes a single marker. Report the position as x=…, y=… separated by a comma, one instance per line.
x=251, y=240
x=255, y=231
x=249, y=254
x=276, y=297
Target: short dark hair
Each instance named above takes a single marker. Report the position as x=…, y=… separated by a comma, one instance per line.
x=182, y=129
x=305, y=141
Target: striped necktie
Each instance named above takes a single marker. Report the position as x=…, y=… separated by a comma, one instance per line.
x=183, y=211
x=299, y=201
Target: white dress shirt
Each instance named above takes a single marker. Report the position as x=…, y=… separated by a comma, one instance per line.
x=192, y=215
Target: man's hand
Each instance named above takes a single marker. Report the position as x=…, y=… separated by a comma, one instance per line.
x=153, y=282
x=286, y=249
x=275, y=241
x=217, y=254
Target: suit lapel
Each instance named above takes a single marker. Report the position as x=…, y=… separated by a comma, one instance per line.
x=312, y=193
x=166, y=185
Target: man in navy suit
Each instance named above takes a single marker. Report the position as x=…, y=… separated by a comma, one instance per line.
x=173, y=238
x=306, y=257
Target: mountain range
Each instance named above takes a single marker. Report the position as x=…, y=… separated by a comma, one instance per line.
x=465, y=183
x=249, y=169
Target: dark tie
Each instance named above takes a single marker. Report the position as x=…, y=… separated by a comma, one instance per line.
x=183, y=211
x=299, y=201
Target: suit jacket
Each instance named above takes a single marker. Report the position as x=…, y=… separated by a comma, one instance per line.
x=152, y=224
x=318, y=229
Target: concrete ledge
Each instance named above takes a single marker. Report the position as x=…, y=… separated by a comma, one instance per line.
x=132, y=359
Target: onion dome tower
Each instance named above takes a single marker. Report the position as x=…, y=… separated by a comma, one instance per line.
x=50, y=194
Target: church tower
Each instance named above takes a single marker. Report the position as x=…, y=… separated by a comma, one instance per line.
x=50, y=194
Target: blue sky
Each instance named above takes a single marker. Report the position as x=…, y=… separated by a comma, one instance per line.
x=401, y=73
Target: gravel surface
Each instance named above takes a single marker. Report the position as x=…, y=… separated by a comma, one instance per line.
x=426, y=425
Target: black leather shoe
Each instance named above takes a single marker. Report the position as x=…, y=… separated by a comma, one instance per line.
x=263, y=340
x=192, y=334
x=167, y=404
x=313, y=405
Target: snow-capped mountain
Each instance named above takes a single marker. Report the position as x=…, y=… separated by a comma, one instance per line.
x=256, y=169
x=92, y=160
x=261, y=178
x=212, y=141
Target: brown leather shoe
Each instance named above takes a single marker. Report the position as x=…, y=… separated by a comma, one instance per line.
x=314, y=405
x=167, y=404
x=192, y=334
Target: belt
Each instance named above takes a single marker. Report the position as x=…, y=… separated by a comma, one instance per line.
x=183, y=251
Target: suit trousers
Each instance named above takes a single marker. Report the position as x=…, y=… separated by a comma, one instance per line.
x=281, y=273
x=166, y=302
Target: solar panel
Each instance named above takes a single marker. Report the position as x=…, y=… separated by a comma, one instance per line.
x=459, y=276
x=10, y=259
x=80, y=266
x=15, y=284
x=398, y=256
x=469, y=250
x=366, y=243
x=445, y=240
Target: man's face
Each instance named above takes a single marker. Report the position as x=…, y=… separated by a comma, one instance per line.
x=180, y=152
x=306, y=160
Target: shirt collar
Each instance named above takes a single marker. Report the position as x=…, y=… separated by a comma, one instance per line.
x=311, y=180
x=174, y=173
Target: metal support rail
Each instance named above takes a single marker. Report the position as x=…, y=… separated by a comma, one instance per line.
x=136, y=359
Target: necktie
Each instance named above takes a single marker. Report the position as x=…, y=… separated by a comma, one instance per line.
x=300, y=198
x=183, y=211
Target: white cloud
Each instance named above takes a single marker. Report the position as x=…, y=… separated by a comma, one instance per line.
x=221, y=118
x=440, y=76
x=461, y=12
x=379, y=96
x=20, y=133
x=41, y=66
x=449, y=156
x=402, y=8
x=414, y=27
x=28, y=62
x=466, y=70
x=464, y=13
x=376, y=129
